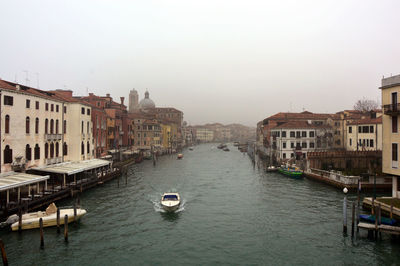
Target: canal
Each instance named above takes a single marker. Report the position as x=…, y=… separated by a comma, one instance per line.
x=232, y=214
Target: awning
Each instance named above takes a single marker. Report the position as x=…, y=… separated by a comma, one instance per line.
x=71, y=168
x=13, y=180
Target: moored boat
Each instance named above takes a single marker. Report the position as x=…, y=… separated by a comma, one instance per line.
x=221, y=146
x=225, y=149
x=49, y=218
x=271, y=169
x=291, y=171
x=170, y=201
x=180, y=156
x=371, y=219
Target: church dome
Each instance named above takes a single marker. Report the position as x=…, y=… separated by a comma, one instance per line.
x=147, y=103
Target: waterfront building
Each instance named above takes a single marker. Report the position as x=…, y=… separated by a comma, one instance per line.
x=364, y=135
x=166, y=141
x=204, y=135
x=390, y=127
x=294, y=139
x=147, y=134
x=31, y=127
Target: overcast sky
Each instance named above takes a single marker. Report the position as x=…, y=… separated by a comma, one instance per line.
x=217, y=61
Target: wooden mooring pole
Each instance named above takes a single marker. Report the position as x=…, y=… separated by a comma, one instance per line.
x=353, y=207
x=3, y=253
x=66, y=228
x=58, y=220
x=379, y=219
x=75, y=212
x=41, y=233
x=391, y=209
x=19, y=220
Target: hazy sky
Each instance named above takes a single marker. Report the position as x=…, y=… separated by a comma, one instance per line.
x=217, y=61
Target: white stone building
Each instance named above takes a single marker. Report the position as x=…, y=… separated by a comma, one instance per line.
x=204, y=135
x=364, y=135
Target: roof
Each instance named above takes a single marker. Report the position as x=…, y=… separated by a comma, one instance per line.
x=302, y=115
x=366, y=121
x=71, y=168
x=300, y=124
x=13, y=180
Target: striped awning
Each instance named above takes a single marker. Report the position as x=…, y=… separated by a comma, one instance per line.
x=13, y=180
x=71, y=168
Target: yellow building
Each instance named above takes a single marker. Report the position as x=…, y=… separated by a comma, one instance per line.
x=390, y=124
x=166, y=136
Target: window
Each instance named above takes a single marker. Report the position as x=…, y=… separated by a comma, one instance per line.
x=52, y=107
x=28, y=152
x=88, y=111
x=28, y=103
x=88, y=127
x=7, y=124
x=47, y=106
x=88, y=147
x=57, y=126
x=283, y=134
x=311, y=134
x=292, y=145
x=46, y=150
x=65, y=109
x=82, y=126
x=51, y=126
x=37, y=152
x=46, y=126
x=65, y=126
x=394, y=124
x=394, y=152
x=57, y=149
x=297, y=134
x=350, y=142
x=311, y=145
x=365, y=129
x=371, y=143
x=371, y=129
x=7, y=154
x=65, y=149
x=37, y=125
x=83, y=111
x=350, y=130
x=82, y=148
x=304, y=134
x=284, y=155
x=37, y=105
x=52, y=150
x=284, y=145
x=8, y=100
x=27, y=125
x=359, y=129
x=304, y=145
x=292, y=134
x=292, y=155
x=57, y=108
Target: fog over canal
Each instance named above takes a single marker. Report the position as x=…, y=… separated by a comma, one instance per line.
x=232, y=213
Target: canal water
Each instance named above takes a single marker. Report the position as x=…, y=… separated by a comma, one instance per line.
x=232, y=214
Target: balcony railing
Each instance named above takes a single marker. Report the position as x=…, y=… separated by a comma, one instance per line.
x=52, y=137
x=391, y=109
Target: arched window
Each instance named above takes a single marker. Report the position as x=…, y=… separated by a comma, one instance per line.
x=88, y=127
x=57, y=126
x=65, y=126
x=37, y=152
x=57, y=149
x=46, y=150
x=7, y=154
x=52, y=150
x=88, y=147
x=7, y=124
x=65, y=149
x=27, y=125
x=82, y=126
x=82, y=148
x=51, y=126
x=46, y=127
x=37, y=125
x=28, y=152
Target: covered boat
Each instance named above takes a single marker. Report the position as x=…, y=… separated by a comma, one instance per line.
x=371, y=219
x=291, y=171
x=170, y=201
x=49, y=217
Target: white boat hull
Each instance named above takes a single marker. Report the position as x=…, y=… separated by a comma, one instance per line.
x=170, y=207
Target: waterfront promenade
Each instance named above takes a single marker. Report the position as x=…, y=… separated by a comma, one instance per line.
x=233, y=214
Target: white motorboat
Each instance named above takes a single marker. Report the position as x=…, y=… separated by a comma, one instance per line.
x=49, y=218
x=170, y=201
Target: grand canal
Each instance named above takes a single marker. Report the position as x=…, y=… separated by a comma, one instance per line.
x=232, y=213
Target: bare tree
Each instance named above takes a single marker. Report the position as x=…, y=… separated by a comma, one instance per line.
x=366, y=105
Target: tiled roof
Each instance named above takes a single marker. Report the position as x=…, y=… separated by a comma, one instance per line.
x=303, y=115
x=7, y=85
x=299, y=124
x=366, y=121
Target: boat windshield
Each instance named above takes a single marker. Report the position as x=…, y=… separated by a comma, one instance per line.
x=170, y=197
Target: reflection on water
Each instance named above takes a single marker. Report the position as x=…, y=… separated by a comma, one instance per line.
x=171, y=216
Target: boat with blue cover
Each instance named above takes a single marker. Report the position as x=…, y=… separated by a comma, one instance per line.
x=371, y=219
x=291, y=171
x=170, y=201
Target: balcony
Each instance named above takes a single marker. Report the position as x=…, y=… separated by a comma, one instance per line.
x=52, y=137
x=391, y=109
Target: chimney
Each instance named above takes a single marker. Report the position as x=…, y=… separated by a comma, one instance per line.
x=90, y=93
x=122, y=100
x=108, y=95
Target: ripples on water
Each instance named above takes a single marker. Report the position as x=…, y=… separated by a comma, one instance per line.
x=231, y=214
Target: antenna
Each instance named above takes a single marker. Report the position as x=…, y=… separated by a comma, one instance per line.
x=26, y=79
x=37, y=79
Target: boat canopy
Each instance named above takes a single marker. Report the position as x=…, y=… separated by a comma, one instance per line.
x=170, y=197
x=71, y=168
x=13, y=180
